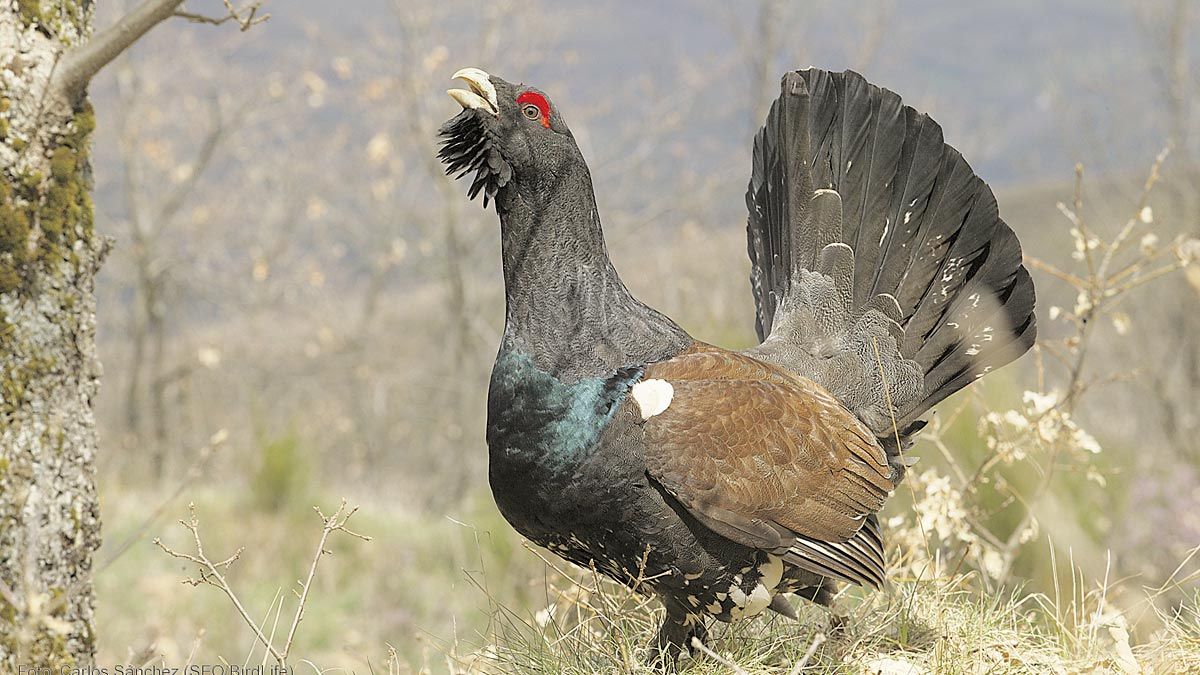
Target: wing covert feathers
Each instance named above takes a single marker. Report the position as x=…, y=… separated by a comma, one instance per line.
x=878, y=256
x=771, y=461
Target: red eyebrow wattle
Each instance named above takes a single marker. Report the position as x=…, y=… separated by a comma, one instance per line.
x=538, y=100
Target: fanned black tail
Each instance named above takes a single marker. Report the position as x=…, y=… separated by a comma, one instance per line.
x=936, y=278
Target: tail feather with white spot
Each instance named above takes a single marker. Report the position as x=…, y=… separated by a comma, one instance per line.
x=879, y=257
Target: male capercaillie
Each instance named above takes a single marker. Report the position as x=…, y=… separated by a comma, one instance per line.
x=884, y=281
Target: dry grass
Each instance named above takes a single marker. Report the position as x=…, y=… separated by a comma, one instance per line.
x=407, y=587
x=946, y=625
x=434, y=595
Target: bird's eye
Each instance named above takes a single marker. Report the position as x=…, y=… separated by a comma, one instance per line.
x=535, y=107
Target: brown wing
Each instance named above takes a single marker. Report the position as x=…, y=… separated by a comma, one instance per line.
x=770, y=460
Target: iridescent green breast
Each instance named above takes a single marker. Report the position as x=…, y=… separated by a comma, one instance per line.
x=537, y=421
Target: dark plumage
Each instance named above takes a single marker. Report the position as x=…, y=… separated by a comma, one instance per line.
x=927, y=247
x=884, y=281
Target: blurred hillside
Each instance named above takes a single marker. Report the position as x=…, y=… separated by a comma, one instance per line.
x=292, y=271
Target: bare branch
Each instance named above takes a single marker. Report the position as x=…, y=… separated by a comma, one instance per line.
x=334, y=523
x=212, y=573
x=80, y=64
x=244, y=17
x=697, y=644
x=203, y=455
x=204, y=156
x=818, y=640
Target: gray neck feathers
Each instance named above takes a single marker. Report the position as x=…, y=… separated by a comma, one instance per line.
x=565, y=305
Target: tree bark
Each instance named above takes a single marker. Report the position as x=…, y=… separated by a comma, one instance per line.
x=49, y=373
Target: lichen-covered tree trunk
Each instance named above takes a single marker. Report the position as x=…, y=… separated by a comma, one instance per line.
x=49, y=255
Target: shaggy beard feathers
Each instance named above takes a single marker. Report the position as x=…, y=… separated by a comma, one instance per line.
x=467, y=147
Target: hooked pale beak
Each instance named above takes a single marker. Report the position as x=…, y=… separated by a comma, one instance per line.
x=482, y=94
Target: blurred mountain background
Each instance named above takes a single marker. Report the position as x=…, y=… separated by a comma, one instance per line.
x=293, y=274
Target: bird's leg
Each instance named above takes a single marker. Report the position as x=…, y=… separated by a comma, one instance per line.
x=822, y=594
x=699, y=631
x=837, y=623
x=676, y=632
x=664, y=655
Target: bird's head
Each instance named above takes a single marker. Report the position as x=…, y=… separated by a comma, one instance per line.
x=508, y=134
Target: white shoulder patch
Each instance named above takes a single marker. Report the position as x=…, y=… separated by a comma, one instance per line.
x=652, y=396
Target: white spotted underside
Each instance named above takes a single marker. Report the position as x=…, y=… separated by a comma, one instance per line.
x=749, y=604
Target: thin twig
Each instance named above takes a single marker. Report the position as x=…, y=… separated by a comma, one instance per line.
x=1043, y=266
x=195, y=648
x=211, y=573
x=887, y=393
x=334, y=523
x=245, y=18
x=195, y=471
x=697, y=644
x=818, y=640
